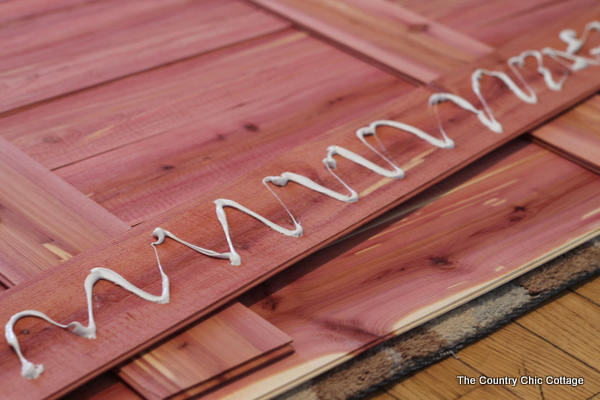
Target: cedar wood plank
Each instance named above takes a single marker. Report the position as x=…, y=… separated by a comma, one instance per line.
x=44, y=220
x=496, y=22
x=575, y=134
x=225, y=345
x=407, y=42
x=82, y=44
x=254, y=96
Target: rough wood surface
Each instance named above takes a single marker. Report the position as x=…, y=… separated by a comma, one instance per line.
x=502, y=216
x=497, y=22
x=392, y=35
x=124, y=319
x=575, y=134
x=53, y=48
x=224, y=345
x=213, y=118
x=44, y=220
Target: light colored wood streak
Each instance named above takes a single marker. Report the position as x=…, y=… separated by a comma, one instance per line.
x=226, y=377
x=340, y=301
x=43, y=220
x=496, y=22
x=53, y=48
x=127, y=324
x=397, y=37
x=575, y=134
x=219, y=348
x=213, y=119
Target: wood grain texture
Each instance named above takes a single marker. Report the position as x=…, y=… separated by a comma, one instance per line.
x=81, y=44
x=514, y=351
x=504, y=215
x=589, y=289
x=568, y=316
x=213, y=118
x=491, y=393
x=392, y=35
x=379, y=395
x=224, y=345
x=124, y=319
x=232, y=374
x=104, y=387
x=575, y=134
x=43, y=220
x=497, y=22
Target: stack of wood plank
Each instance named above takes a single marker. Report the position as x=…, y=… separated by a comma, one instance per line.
x=120, y=117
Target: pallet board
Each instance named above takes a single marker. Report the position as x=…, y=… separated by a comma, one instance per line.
x=128, y=324
x=54, y=48
x=575, y=134
x=396, y=37
x=506, y=214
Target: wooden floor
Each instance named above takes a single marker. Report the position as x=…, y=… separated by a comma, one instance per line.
x=558, y=338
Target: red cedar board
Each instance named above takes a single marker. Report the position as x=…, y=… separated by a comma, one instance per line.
x=43, y=218
x=497, y=22
x=290, y=88
x=396, y=37
x=48, y=54
x=575, y=134
x=219, y=348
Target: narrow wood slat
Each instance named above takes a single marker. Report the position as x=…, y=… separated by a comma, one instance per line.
x=514, y=351
x=44, y=220
x=253, y=97
x=392, y=35
x=575, y=134
x=16, y=10
x=127, y=324
x=230, y=375
x=52, y=49
x=508, y=213
x=563, y=318
x=497, y=22
x=231, y=342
